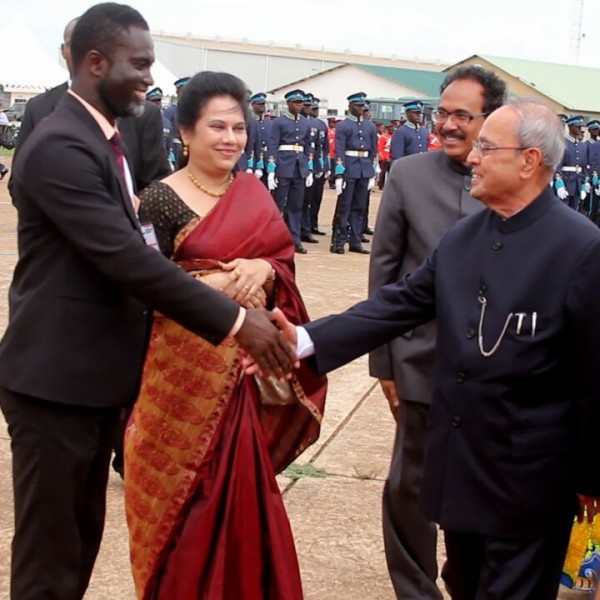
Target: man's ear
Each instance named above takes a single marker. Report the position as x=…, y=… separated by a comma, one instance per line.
x=532, y=161
x=97, y=63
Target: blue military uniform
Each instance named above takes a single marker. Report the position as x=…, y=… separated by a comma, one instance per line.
x=155, y=95
x=251, y=153
x=356, y=150
x=409, y=138
x=289, y=156
x=313, y=139
x=321, y=169
x=594, y=169
x=573, y=170
x=170, y=113
x=263, y=127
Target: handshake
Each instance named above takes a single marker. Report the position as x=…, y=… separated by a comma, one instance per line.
x=269, y=342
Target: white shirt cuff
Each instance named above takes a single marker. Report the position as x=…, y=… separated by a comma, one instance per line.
x=304, y=344
x=238, y=322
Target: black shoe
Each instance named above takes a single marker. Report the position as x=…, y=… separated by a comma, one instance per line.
x=336, y=249
x=300, y=249
x=359, y=250
x=3, y=173
x=369, y=230
x=307, y=237
x=364, y=239
x=317, y=232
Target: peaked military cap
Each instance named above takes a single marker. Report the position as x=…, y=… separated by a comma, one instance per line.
x=258, y=98
x=294, y=96
x=357, y=98
x=593, y=124
x=154, y=94
x=181, y=82
x=576, y=120
x=308, y=99
x=315, y=102
x=414, y=105
x=562, y=117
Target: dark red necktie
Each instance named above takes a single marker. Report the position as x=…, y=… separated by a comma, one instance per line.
x=116, y=143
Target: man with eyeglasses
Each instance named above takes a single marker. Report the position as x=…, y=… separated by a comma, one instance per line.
x=513, y=425
x=424, y=196
x=411, y=137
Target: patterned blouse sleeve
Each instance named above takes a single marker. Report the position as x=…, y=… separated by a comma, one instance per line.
x=166, y=211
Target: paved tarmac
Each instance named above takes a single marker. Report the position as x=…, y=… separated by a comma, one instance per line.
x=335, y=504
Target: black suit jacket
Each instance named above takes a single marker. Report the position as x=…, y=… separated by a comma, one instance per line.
x=143, y=136
x=512, y=436
x=78, y=320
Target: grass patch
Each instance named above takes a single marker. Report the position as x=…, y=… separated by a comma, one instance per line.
x=5, y=152
x=296, y=471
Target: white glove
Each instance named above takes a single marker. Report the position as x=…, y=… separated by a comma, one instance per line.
x=258, y=173
x=377, y=169
x=582, y=194
x=309, y=180
x=271, y=181
x=371, y=184
x=249, y=170
x=562, y=193
x=597, y=191
x=327, y=174
x=339, y=185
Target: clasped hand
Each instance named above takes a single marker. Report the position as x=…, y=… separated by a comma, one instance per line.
x=287, y=329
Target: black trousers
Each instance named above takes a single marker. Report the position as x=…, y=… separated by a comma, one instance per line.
x=496, y=568
x=60, y=457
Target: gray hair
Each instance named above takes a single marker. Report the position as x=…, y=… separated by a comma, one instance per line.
x=539, y=127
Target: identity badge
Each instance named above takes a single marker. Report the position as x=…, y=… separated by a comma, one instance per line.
x=150, y=235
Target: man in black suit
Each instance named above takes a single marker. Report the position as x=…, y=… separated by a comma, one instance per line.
x=143, y=135
x=80, y=302
x=514, y=418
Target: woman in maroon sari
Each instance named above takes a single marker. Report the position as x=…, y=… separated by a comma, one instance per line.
x=205, y=515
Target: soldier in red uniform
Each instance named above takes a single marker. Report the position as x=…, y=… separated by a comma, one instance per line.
x=383, y=152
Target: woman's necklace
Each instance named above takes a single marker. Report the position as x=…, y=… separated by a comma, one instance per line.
x=206, y=190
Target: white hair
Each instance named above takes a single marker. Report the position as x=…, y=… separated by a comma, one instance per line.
x=539, y=127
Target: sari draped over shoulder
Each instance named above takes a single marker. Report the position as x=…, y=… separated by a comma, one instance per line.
x=205, y=515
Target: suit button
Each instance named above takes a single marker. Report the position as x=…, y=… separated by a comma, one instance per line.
x=455, y=421
x=470, y=333
x=482, y=289
x=460, y=377
x=497, y=245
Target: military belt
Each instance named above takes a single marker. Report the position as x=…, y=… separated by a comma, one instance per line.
x=291, y=147
x=358, y=153
x=572, y=169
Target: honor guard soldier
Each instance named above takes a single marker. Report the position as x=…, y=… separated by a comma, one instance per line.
x=258, y=104
x=155, y=96
x=313, y=132
x=594, y=165
x=412, y=137
x=171, y=114
x=321, y=168
x=288, y=164
x=356, y=149
x=571, y=180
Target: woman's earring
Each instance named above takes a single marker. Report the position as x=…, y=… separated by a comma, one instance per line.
x=185, y=150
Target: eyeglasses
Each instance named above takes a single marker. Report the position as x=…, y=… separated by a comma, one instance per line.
x=460, y=117
x=483, y=150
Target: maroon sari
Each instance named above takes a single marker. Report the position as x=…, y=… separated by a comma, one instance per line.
x=205, y=514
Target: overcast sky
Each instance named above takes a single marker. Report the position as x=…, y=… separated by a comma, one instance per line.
x=448, y=30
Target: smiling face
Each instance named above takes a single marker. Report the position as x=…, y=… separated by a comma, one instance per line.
x=465, y=95
x=218, y=137
x=497, y=174
x=125, y=75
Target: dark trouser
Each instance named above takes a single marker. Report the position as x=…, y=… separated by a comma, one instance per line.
x=309, y=199
x=366, y=214
x=350, y=210
x=495, y=568
x=317, y=198
x=60, y=460
x=289, y=195
x=410, y=539
x=385, y=167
